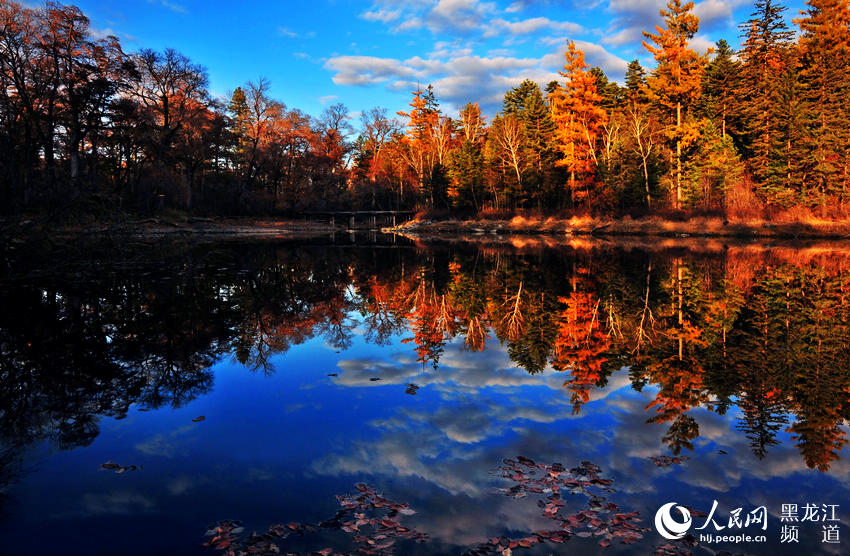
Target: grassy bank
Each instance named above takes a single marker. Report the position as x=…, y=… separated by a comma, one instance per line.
x=627, y=226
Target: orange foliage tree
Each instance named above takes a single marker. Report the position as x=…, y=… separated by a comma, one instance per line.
x=578, y=119
x=676, y=82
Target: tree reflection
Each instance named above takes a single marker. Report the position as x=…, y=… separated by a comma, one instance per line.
x=765, y=335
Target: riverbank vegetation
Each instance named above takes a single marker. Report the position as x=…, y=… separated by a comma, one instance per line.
x=749, y=134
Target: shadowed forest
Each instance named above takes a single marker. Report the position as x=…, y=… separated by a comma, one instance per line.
x=88, y=128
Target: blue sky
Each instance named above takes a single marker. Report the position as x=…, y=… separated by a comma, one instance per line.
x=368, y=54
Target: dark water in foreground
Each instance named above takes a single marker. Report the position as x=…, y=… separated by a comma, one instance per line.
x=424, y=400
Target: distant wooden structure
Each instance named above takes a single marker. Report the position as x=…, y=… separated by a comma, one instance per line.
x=368, y=219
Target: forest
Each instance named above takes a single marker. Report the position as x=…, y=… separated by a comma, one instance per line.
x=86, y=127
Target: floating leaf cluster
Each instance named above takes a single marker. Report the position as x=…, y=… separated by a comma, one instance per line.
x=119, y=469
x=373, y=520
x=667, y=461
x=598, y=518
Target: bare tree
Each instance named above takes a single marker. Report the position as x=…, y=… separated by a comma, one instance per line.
x=509, y=135
x=643, y=131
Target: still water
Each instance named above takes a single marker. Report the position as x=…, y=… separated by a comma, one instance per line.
x=398, y=397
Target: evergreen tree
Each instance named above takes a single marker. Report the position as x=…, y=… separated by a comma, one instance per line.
x=539, y=129
x=766, y=57
x=635, y=81
x=718, y=100
x=609, y=90
x=825, y=80
x=515, y=99
x=238, y=108
x=715, y=166
x=526, y=103
x=466, y=170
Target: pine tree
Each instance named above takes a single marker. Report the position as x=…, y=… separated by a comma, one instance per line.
x=635, y=81
x=675, y=83
x=766, y=57
x=825, y=80
x=539, y=129
x=466, y=170
x=715, y=167
x=239, y=124
x=515, y=99
x=609, y=90
x=526, y=103
x=720, y=82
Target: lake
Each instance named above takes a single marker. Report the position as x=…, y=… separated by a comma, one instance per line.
x=381, y=395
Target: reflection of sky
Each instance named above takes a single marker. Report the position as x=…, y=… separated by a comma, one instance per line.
x=277, y=448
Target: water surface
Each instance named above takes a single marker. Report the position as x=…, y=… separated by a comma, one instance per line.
x=321, y=387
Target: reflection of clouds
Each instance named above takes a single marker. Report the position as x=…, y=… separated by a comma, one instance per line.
x=179, y=485
x=116, y=503
x=710, y=470
x=461, y=371
x=257, y=474
x=487, y=409
x=165, y=445
x=458, y=504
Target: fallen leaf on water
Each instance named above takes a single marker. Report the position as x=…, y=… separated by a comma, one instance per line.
x=666, y=461
x=384, y=533
x=373, y=379
x=332, y=374
x=526, y=461
x=198, y=419
x=118, y=468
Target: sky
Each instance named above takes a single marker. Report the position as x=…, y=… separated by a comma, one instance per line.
x=367, y=54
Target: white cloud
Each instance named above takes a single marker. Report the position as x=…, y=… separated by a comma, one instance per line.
x=98, y=33
x=701, y=43
x=366, y=70
x=459, y=16
x=460, y=77
x=633, y=17
x=383, y=15
x=529, y=26
x=713, y=13
x=174, y=7
x=457, y=65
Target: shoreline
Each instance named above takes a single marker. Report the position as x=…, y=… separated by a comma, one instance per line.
x=626, y=227
x=24, y=229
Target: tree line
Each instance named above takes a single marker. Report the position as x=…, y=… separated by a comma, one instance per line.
x=84, y=123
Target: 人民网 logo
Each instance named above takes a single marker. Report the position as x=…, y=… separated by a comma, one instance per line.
x=668, y=526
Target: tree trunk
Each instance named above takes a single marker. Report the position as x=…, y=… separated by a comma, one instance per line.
x=678, y=155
